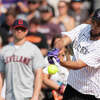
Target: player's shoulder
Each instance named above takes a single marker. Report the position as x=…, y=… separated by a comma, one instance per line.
x=30, y=45
x=6, y=46
x=82, y=26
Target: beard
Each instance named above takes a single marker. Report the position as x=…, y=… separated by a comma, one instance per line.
x=94, y=34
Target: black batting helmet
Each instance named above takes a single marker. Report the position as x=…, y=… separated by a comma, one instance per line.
x=96, y=15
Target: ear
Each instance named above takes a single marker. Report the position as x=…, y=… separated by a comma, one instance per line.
x=26, y=32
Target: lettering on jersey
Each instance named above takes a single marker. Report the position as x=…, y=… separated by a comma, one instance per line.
x=15, y=58
x=79, y=48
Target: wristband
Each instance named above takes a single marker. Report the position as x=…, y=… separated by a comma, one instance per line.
x=61, y=89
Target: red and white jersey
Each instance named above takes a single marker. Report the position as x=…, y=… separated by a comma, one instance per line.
x=87, y=79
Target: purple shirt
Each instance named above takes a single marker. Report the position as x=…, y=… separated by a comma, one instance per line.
x=10, y=1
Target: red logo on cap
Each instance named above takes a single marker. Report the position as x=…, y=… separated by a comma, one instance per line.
x=20, y=22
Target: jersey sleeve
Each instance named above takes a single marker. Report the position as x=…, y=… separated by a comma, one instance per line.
x=76, y=31
x=2, y=64
x=45, y=70
x=38, y=59
x=92, y=59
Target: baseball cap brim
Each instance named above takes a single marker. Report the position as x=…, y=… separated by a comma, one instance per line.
x=20, y=26
x=77, y=0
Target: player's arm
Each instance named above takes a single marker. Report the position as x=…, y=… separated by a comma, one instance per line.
x=90, y=59
x=1, y=82
x=64, y=41
x=2, y=70
x=73, y=64
x=52, y=84
x=37, y=84
x=48, y=82
x=70, y=36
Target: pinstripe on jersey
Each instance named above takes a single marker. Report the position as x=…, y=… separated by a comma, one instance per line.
x=87, y=79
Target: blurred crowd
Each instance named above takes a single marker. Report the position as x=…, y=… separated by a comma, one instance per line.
x=46, y=18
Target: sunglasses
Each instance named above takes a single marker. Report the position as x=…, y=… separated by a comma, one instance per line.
x=44, y=11
x=32, y=2
x=20, y=28
x=61, y=6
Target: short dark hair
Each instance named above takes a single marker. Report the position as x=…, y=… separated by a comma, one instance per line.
x=11, y=12
x=54, y=38
x=35, y=21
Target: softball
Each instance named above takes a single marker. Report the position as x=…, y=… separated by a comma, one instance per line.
x=52, y=69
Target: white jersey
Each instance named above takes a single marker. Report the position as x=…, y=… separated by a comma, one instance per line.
x=87, y=79
x=19, y=64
